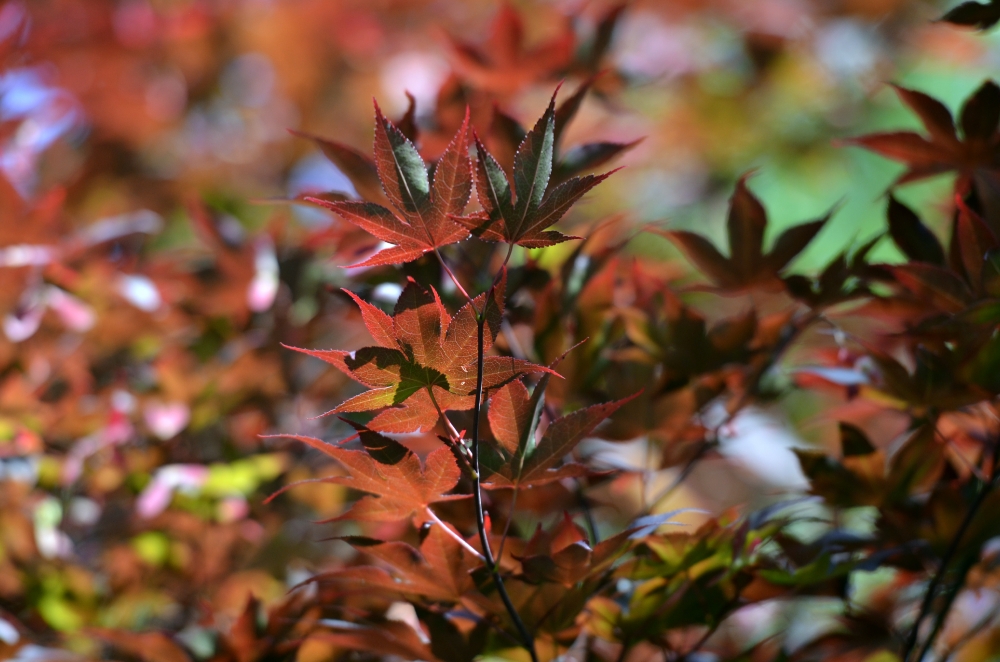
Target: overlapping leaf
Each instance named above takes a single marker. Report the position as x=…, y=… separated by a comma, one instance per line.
x=747, y=263
x=506, y=134
x=438, y=571
x=971, y=270
x=399, y=487
x=522, y=213
x=982, y=16
x=942, y=149
x=425, y=199
x=425, y=360
x=504, y=63
x=520, y=461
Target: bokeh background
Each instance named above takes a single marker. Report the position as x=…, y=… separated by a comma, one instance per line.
x=149, y=268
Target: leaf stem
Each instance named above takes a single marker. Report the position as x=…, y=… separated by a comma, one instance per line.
x=459, y=539
x=454, y=437
x=506, y=528
x=526, y=638
x=454, y=279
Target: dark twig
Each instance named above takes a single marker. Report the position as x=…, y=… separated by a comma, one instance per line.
x=526, y=638
x=949, y=599
x=792, y=330
x=938, y=578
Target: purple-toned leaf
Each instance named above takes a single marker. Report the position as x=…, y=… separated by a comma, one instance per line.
x=913, y=237
x=745, y=225
x=981, y=113
x=793, y=241
x=704, y=255
x=934, y=115
x=356, y=166
x=974, y=14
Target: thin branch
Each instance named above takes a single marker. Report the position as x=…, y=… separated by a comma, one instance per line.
x=970, y=634
x=949, y=599
x=454, y=438
x=791, y=331
x=527, y=639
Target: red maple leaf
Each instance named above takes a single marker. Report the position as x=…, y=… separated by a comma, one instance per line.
x=438, y=571
x=504, y=64
x=425, y=360
x=398, y=485
x=425, y=200
x=518, y=460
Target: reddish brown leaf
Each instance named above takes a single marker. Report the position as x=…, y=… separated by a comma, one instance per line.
x=510, y=415
x=981, y=113
x=425, y=363
x=533, y=465
x=913, y=237
x=745, y=226
x=356, y=166
x=935, y=285
x=704, y=255
x=975, y=240
x=942, y=151
x=934, y=115
x=399, y=491
x=145, y=646
x=422, y=221
x=390, y=639
x=791, y=242
x=982, y=16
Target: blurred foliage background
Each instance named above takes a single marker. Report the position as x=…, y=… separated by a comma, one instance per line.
x=149, y=270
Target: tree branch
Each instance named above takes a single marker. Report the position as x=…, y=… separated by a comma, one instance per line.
x=526, y=638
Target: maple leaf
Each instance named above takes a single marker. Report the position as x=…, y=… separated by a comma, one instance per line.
x=425, y=199
x=564, y=555
x=438, y=571
x=506, y=134
x=747, y=263
x=974, y=14
x=971, y=271
x=942, y=150
x=522, y=218
x=147, y=646
x=359, y=168
x=399, y=487
x=506, y=64
x=517, y=460
x=425, y=361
